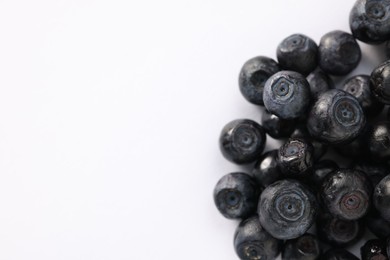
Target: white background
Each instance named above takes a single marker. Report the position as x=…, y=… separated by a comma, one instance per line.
x=110, y=113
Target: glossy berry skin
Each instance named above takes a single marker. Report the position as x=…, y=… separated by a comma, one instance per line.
x=236, y=195
x=377, y=225
x=346, y=194
x=359, y=87
x=306, y=247
x=381, y=198
x=287, y=209
x=321, y=169
x=298, y=53
x=276, y=127
x=266, y=170
x=338, y=232
x=378, y=141
x=338, y=254
x=374, y=171
x=380, y=82
x=370, y=21
x=336, y=118
x=287, y=94
x=339, y=53
x=295, y=157
x=242, y=141
x=374, y=249
x=319, y=82
x=251, y=241
x=253, y=75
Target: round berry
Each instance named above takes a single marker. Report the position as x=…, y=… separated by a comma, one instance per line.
x=338, y=232
x=287, y=94
x=295, y=157
x=242, y=141
x=253, y=76
x=380, y=82
x=359, y=87
x=287, y=209
x=381, y=197
x=236, y=195
x=336, y=117
x=251, y=241
x=346, y=194
x=370, y=21
x=339, y=53
x=266, y=170
x=298, y=53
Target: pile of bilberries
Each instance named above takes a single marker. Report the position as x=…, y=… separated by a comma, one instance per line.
x=292, y=189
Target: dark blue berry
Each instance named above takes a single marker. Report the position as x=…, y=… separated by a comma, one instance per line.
x=338, y=254
x=380, y=82
x=276, y=127
x=320, y=149
x=287, y=209
x=374, y=249
x=378, y=141
x=305, y=247
x=287, y=94
x=359, y=87
x=381, y=197
x=370, y=21
x=338, y=232
x=253, y=76
x=252, y=242
x=339, y=53
x=295, y=157
x=236, y=195
x=242, y=141
x=336, y=117
x=319, y=82
x=346, y=194
x=298, y=53
x=266, y=170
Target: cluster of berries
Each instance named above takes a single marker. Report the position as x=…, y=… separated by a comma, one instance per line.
x=295, y=202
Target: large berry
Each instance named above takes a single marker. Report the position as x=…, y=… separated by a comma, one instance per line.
x=380, y=82
x=242, y=141
x=287, y=94
x=339, y=53
x=236, y=195
x=359, y=87
x=346, y=194
x=338, y=232
x=253, y=76
x=287, y=209
x=381, y=197
x=336, y=117
x=298, y=53
x=370, y=20
x=251, y=241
